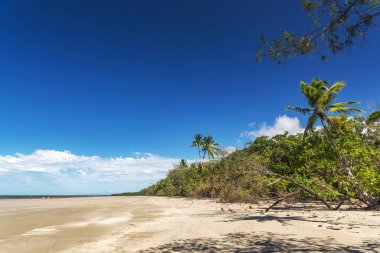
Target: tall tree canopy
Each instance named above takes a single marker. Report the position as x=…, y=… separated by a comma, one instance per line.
x=336, y=25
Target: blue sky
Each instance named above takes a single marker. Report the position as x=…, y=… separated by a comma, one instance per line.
x=107, y=79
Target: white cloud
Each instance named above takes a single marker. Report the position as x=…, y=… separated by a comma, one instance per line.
x=229, y=150
x=281, y=125
x=64, y=166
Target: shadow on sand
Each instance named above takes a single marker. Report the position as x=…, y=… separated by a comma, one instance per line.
x=244, y=243
x=314, y=219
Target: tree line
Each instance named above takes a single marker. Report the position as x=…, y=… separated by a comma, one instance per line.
x=336, y=163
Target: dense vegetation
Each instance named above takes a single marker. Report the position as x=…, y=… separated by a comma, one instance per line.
x=335, y=163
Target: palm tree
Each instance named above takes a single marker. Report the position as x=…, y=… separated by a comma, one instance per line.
x=320, y=98
x=373, y=117
x=198, y=142
x=210, y=147
x=183, y=163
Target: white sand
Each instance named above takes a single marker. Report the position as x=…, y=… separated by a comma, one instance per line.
x=152, y=224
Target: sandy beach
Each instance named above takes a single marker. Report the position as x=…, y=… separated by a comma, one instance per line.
x=154, y=224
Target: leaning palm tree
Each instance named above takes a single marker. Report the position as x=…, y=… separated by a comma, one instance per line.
x=320, y=99
x=198, y=142
x=373, y=117
x=209, y=147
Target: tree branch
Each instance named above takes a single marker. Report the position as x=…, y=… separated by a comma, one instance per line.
x=305, y=188
x=282, y=199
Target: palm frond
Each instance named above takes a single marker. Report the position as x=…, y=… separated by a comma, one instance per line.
x=345, y=103
x=299, y=109
x=343, y=109
x=310, y=125
x=319, y=85
x=309, y=92
x=336, y=88
x=314, y=91
x=330, y=95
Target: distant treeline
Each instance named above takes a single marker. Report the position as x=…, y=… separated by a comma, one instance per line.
x=46, y=196
x=128, y=194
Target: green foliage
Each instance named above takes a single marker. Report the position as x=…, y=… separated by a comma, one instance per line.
x=242, y=176
x=320, y=98
x=336, y=163
x=336, y=25
x=373, y=117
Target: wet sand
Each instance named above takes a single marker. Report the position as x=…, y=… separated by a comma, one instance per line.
x=152, y=224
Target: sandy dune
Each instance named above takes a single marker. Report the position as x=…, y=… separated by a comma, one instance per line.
x=152, y=224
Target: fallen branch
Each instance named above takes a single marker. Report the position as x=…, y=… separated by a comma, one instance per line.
x=339, y=205
x=282, y=199
x=305, y=188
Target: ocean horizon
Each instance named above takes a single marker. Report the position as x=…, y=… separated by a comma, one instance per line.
x=49, y=196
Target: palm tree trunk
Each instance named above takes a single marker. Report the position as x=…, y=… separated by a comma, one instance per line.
x=370, y=200
x=212, y=192
x=199, y=153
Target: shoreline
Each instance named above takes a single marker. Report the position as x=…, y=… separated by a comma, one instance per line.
x=156, y=224
x=49, y=196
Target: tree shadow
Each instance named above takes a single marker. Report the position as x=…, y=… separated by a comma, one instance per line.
x=283, y=220
x=248, y=242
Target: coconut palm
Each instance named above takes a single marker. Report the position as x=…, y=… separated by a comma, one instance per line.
x=373, y=117
x=183, y=163
x=198, y=142
x=209, y=147
x=320, y=98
